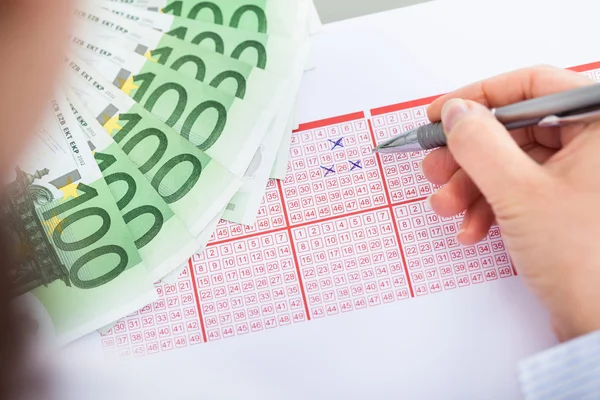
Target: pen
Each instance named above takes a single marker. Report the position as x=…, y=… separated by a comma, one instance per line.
x=581, y=105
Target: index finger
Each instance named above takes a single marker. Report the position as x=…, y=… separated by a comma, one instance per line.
x=513, y=87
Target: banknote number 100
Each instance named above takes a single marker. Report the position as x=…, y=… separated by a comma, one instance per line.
x=89, y=193
x=176, y=8
x=155, y=159
x=163, y=54
x=105, y=161
x=146, y=80
x=219, y=45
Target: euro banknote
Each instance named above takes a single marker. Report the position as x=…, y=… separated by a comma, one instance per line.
x=227, y=128
x=76, y=263
x=163, y=241
x=244, y=206
x=233, y=76
x=277, y=53
x=195, y=186
x=264, y=51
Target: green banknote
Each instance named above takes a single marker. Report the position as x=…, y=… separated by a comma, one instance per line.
x=227, y=128
x=162, y=240
x=278, y=54
x=76, y=264
x=243, y=207
x=276, y=17
x=194, y=186
x=261, y=50
x=232, y=76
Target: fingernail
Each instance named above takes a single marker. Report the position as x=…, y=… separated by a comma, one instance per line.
x=452, y=112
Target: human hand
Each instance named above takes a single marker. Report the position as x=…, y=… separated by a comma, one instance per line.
x=542, y=187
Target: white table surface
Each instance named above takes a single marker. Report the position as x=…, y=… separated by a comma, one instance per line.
x=460, y=345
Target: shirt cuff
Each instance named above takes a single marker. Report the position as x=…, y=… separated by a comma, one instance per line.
x=568, y=371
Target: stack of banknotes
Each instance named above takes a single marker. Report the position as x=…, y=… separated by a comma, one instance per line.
x=170, y=116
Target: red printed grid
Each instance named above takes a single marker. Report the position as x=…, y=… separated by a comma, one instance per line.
x=332, y=172
x=248, y=285
x=436, y=261
x=350, y=263
x=168, y=323
x=347, y=230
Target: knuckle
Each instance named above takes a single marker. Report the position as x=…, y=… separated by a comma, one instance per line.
x=530, y=74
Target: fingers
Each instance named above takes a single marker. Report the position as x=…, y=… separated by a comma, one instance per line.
x=513, y=87
x=456, y=196
x=488, y=153
x=460, y=192
x=477, y=223
x=439, y=166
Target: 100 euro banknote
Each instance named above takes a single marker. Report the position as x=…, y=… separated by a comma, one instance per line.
x=194, y=186
x=161, y=238
x=73, y=250
x=227, y=128
x=271, y=51
x=233, y=76
x=275, y=53
x=244, y=206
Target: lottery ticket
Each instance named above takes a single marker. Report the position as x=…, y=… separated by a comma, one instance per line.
x=346, y=230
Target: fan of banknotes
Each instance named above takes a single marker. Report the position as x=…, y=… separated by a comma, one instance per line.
x=171, y=115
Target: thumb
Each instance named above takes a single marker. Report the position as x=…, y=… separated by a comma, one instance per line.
x=488, y=153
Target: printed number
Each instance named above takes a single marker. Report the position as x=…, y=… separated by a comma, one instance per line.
x=153, y=162
x=146, y=80
x=89, y=193
x=219, y=44
x=162, y=54
x=176, y=8
x=105, y=162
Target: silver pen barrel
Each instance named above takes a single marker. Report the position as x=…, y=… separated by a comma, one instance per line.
x=431, y=136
